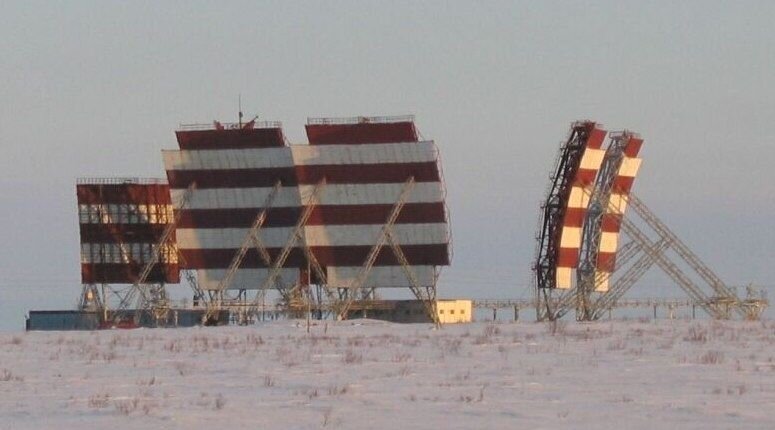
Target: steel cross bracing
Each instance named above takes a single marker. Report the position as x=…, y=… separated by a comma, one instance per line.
x=312, y=261
x=350, y=294
x=199, y=295
x=276, y=266
x=721, y=290
x=249, y=238
x=553, y=210
x=569, y=298
x=427, y=294
x=322, y=281
x=634, y=303
x=200, y=298
x=623, y=255
x=90, y=299
x=718, y=306
x=608, y=300
x=216, y=302
x=655, y=252
x=592, y=227
x=680, y=278
x=151, y=297
x=265, y=257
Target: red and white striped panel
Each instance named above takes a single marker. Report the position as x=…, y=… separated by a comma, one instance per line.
x=612, y=219
x=343, y=131
x=120, y=223
x=576, y=207
x=363, y=183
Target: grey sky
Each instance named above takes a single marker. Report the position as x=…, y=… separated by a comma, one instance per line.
x=97, y=88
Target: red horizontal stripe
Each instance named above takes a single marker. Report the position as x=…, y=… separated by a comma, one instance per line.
x=611, y=223
x=430, y=255
x=623, y=184
x=328, y=134
x=606, y=261
x=305, y=175
x=127, y=233
x=574, y=217
x=230, y=139
x=153, y=194
x=585, y=177
x=596, y=137
x=632, y=147
x=568, y=257
x=109, y=273
x=411, y=213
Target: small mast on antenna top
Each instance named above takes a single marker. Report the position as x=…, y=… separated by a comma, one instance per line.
x=239, y=102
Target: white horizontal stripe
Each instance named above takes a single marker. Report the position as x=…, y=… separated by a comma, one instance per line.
x=123, y=253
x=592, y=159
x=629, y=167
x=603, y=281
x=319, y=235
x=334, y=194
x=617, y=203
x=569, y=238
x=579, y=197
x=308, y=155
x=564, y=278
x=227, y=158
x=380, y=276
x=609, y=241
x=383, y=153
x=248, y=279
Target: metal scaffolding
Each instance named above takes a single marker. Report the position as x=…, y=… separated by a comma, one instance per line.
x=337, y=300
x=552, y=213
x=590, y=296
x=141, y=296
x=714, y=297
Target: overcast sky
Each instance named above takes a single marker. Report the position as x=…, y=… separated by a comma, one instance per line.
x=97, y=89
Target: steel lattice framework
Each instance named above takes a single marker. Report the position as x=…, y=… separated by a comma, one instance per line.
x=596, y=291
x=556, y=207
x=128, y=237
x=358, y=209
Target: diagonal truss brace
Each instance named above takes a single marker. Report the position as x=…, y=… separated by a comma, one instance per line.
x=296, y=235
x=686, y=254
x=608, y=299
x=427, y=294
x=678, y=276
x=358, y=282
x=566, y=301
x=236, y=261
x=147, y=296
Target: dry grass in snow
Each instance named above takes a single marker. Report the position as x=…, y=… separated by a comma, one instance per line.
x=367, y=374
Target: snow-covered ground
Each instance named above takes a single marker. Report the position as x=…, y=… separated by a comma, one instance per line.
x=361, y=375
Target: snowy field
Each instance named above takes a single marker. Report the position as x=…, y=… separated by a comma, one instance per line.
x=362, y=375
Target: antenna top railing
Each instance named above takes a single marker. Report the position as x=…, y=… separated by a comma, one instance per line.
x=228, y=125
x=360, y=120
x=120, y=181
